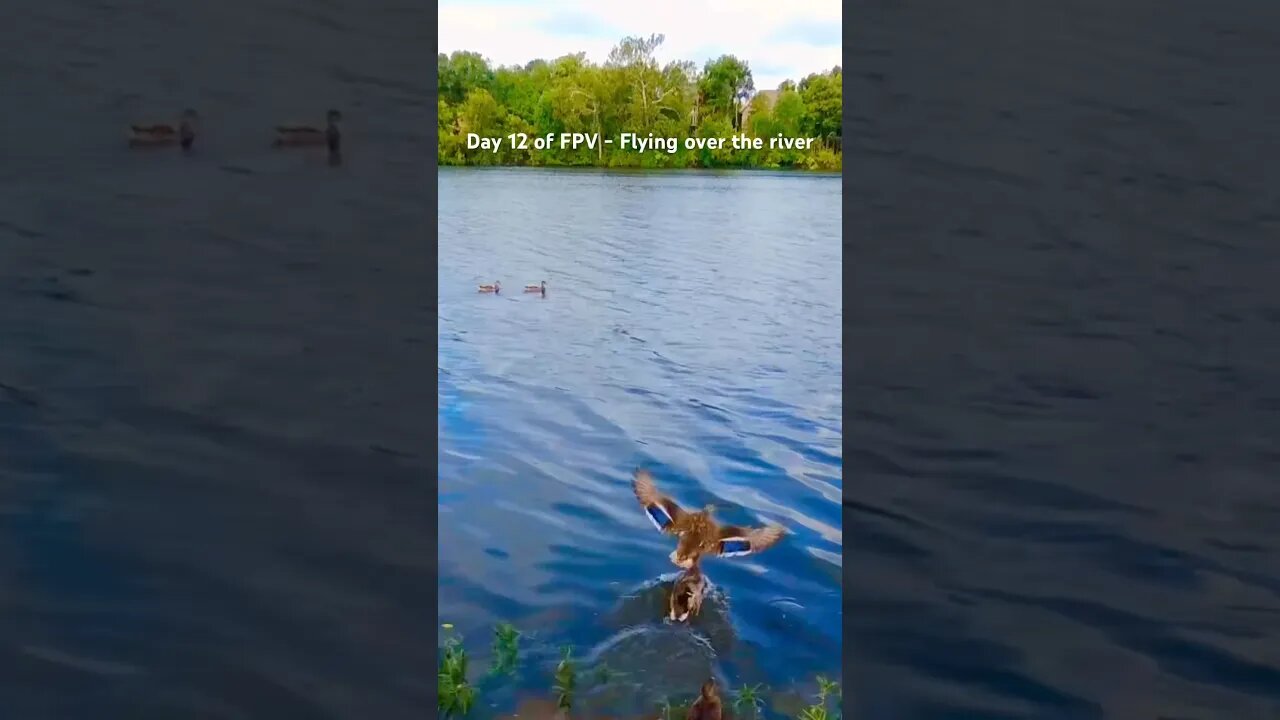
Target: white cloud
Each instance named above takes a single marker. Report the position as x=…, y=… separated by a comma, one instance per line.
x=779, y=40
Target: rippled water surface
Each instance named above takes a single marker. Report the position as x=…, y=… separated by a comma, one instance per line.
x=214, y=368
x=1065, y=373
x=692, y=325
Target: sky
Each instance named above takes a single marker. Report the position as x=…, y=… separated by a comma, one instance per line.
x=779, y=39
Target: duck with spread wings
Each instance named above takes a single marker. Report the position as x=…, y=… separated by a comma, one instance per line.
x=696, y=532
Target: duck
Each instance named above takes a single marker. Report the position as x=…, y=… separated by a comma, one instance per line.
x=697, y=532
x=708, y=705
x=163, y=134
x=686, y=594
x=306, y=135
x=533, y=288
x=495, y=288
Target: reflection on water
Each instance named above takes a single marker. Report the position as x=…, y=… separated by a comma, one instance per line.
x=1068, y=374
x=211, y=498
x=692, y=325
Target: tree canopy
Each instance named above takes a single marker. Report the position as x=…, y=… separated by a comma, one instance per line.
x=632, y=93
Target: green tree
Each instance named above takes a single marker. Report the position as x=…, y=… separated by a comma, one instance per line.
x=481, y=114
x=576, y=99
x=726, y=84
x=629, y=92
x=648, y=92
x=823, y=104
x=788, y=116
x=460, y=72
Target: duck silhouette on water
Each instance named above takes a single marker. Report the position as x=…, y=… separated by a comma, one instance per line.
x=159, y=134
x=310, y=136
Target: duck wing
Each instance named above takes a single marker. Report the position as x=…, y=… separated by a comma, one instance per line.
x=661, y=510
x=735, y=541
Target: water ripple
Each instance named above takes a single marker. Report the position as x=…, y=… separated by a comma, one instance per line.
x=1066, y=498
x=691, y=325
x=209, y=506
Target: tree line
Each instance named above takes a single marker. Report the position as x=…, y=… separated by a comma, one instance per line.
x=631, y=92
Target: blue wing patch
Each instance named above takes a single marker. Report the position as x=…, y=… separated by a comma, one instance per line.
x=730, y=547
x=659, y=516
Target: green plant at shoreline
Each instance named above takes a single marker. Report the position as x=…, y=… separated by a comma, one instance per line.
x=457, y=696
x=818, y=711
x=565, y=679
x=632, y=93
x=506, y=649
x=748, y=696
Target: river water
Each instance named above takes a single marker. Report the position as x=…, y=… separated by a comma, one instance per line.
x=1064, y=371
x=214, y=368
x=691, y=325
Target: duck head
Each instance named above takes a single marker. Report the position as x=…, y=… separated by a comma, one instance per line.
x=686, y=595
x=333, y=130
x=681, y=560
x=187, y=127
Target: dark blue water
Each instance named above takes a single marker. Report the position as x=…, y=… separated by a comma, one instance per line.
x=213, y=467
x=692, y=325
x=1065, y=362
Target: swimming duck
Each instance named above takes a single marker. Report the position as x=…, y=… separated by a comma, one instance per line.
x=495, y=288
x=163, y=134
x=697, y=533
x=297, y=135
x=708, y=705
x=542, y=288
x=686, y=594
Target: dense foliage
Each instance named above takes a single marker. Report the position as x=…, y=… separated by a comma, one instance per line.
x=632, y=93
